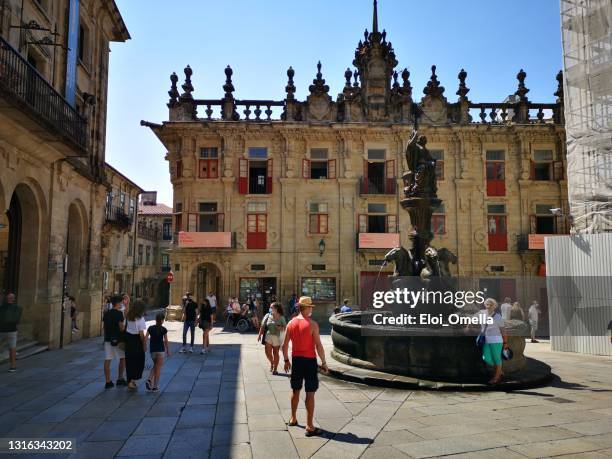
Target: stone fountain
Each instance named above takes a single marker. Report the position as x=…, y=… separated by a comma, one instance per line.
x=433, y=353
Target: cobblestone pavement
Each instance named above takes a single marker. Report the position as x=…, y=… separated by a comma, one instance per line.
x=227, y=404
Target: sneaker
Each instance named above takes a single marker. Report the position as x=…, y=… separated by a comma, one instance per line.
x=203, y=351
x=110, y=385
x=12, y=370
x=191, y=350
x=182, y=351
x=155, y=389
x=121, y=382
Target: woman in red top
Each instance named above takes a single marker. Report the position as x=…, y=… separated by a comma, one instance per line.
x=303, y=332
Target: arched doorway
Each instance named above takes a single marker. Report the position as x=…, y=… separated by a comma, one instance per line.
x=19, y=240
x=75, y=245
x=206, y=277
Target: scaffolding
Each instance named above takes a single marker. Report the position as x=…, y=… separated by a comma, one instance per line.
x=587, y=96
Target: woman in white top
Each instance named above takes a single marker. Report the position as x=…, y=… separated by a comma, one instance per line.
x=135, y=343
x=495, y=339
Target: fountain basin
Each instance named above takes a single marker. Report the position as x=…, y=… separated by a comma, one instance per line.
x=435, y=354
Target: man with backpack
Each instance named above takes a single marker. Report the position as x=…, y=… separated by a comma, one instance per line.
x=10, y=315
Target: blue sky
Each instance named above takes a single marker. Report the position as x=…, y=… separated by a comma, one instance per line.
x=491, y=39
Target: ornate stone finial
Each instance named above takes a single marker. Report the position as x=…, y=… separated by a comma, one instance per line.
x=396, y=85
x=375, y=18
x=228, y=87
x=365, y=35
x=173, y=93
x=522, y=89
x=355, y=78
x=433, y=87
x=559, y=91
x=290, y=88
x=463, y=89
x=384, y=36
x=406, y=87
x=318, y=85
x=348, y=74
x=187, y=86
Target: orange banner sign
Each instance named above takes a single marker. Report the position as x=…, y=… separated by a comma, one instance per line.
x=378, y=240
x=190, y=239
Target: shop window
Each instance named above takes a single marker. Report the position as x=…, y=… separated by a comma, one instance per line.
x=496, y=173
x=320, y=289
x=438, y=220
x=318, y=219
x=497, y=227
x=208, y=164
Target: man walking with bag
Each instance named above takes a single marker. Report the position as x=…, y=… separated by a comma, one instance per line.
x=114, y=326
x=10, y=315
x=303, y=332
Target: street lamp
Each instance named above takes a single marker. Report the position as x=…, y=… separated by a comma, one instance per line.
x=321, y=247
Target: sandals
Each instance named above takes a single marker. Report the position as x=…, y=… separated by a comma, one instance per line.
x=148, y=384
x=313, y=433
x=292, y=424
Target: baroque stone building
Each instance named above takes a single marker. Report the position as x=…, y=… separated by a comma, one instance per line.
x=53, y=96
x=154, y=236
x=119, y=233
x=281, y=196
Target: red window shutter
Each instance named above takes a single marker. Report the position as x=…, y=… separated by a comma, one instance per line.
x=390, y=176
x=213, y=168
x=331, y=169
x=531, y=170
x=306, y=168
x=558, y=170
x=220, y=222
x=269, y=177
x=203, y=168
x=391, y=223
x=533, y=224
x=363, y=223
x=243, y=176
x=365, y=178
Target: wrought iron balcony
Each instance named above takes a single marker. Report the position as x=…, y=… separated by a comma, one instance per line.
x=146, y=232
x=116, y=216
x=21, y=82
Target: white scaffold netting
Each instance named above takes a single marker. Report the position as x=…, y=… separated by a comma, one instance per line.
x=587, y=55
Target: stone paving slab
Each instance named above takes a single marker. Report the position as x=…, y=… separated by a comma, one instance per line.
x=228, y=405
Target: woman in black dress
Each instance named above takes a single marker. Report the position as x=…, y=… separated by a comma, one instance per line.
x=207, y=319
x=135, y=343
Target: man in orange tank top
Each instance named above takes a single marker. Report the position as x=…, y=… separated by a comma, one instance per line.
x=303, y=332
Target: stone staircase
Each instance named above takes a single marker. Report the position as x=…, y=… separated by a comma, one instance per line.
x=25, y=348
